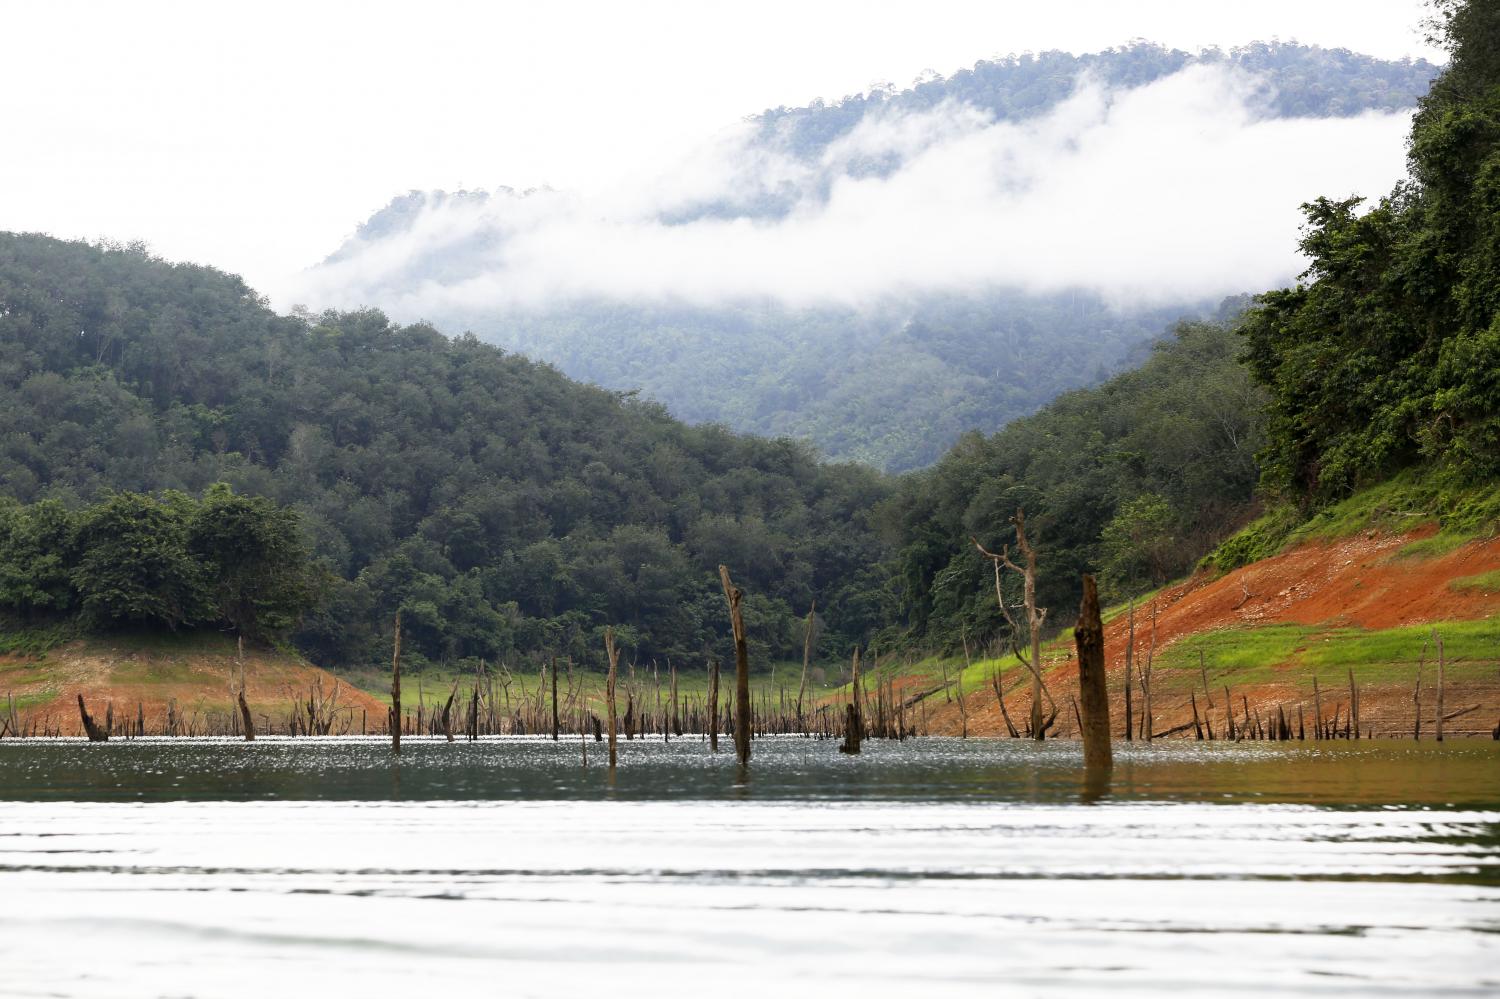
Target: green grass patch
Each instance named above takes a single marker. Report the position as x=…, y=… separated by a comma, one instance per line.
x=1463, y=513
x=1407, y=501
x=1483, y=582
x=1296, y=653
x=1233, y=656
x=25, y=702
x=1471, y=648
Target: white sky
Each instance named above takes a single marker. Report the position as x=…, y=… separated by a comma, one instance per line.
x=255, y=136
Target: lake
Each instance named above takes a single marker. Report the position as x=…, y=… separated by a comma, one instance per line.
x=925, y=868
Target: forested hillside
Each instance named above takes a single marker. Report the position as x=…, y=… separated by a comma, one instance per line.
x=1387, y=355
x=1384, y=360
x=891, y=380
x=505, y=508
x=1134, y=479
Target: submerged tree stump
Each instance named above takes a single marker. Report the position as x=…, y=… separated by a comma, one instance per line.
x=713, y=706
x=395, y=715
x=1088, y=635
x=735, y=595
x=90, y=727
x=854, y=726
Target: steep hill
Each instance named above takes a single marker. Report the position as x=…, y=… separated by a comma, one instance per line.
x=1350, y=601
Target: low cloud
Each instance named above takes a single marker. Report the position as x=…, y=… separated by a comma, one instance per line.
x=1183, y=189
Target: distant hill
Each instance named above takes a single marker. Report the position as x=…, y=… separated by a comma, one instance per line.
x=892, y=380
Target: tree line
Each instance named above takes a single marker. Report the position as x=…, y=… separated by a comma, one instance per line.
x=130, y=560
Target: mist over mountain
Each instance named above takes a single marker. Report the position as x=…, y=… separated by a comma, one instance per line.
x=881, y=274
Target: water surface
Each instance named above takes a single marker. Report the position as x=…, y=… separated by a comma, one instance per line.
x=932, y=867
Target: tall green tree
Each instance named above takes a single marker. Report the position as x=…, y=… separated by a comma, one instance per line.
x=134, y=565
x=255, y=567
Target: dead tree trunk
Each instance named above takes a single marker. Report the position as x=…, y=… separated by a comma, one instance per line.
x=1416, y=697
x=676, y=720
x=996, y=682
x=1353, y=702
x=90, y=727
x=807, y=644
x=1035, y=616
x=1442, y=662
x=1147, y=711
x=713, y=706
x=853, y=717
x=734, y=595
x=395, y=718
x=555, y=721
x=1088, y=636
x=609, y=690
x=1129, y=663
x=963, y=707
x=448, y=712
x=246, y=721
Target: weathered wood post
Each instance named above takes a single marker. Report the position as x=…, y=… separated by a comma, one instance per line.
x=1088, y=635
x=713, y=705
x=609, y=690
x=395, y=718
x=735, y=595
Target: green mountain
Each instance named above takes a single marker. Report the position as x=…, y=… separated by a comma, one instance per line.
x=505, y=507
x=893, y=380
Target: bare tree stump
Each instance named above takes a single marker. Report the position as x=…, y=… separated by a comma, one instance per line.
x=395, y=717
x=735, y=595
x=1088, y=636
x=91, y=728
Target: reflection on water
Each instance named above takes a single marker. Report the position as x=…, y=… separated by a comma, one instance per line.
x=930, y=868
x=979, y=770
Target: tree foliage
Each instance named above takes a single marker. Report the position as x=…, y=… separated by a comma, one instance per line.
x=167, y=561
x=1388, y=354
x=505, y=508
x=1139, y=476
